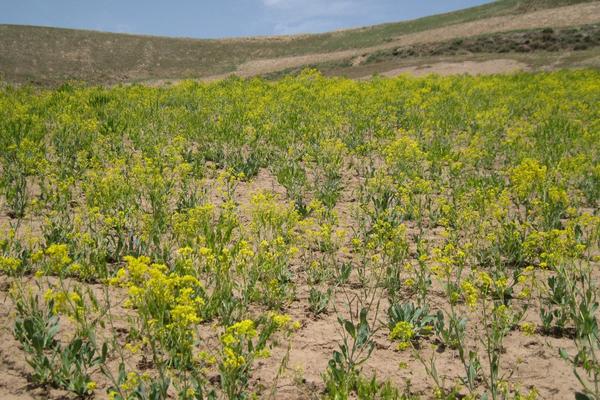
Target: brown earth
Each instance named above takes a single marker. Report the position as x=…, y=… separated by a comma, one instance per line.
x=499, y=66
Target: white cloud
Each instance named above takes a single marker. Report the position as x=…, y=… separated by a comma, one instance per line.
x=271, y=3
x=302, y=16
x=316, y=7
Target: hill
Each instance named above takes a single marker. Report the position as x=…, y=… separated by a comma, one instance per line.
x=49, y=56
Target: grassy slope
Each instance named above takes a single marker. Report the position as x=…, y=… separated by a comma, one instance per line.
x=50, y=55
x=522, y=41
x=566, y=47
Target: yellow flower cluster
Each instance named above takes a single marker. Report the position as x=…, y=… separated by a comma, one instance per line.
x=55, y=259
x=404, y=154
x=552, y=248
x=527, y=177
x=470, y=293
x=131, y=383
x=284, y=322
x=233, y=339
x=403, y=332
x=528, y=328
x=185, y=311
x=65, y=302
x=447, y=260
x=231, y=360
x=271, y=218
x=150, y=285
x=9, y=265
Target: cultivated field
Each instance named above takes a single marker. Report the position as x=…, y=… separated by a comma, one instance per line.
x=308, y=238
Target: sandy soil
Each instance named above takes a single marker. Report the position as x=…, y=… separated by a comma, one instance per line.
x=466, y=67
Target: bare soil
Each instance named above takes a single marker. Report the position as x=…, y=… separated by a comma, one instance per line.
x=488, y=67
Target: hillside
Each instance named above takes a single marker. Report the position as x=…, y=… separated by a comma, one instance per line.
x=48, y=56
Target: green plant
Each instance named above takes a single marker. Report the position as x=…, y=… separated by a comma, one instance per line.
x=583, y=305
x=319, y=301
x=554, y=312
x=356, y=348
x=242, y=343
x=417, y=318
x=367, y=389
x=76, y=360
x=291, y=175
x=135, y=386
x=36, y=329
x=452, y=332
x=67, y=366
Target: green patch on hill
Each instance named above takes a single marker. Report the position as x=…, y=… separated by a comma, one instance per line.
x=546, y=39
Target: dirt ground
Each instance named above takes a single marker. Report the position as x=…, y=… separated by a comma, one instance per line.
x=466, y=67
x=532, y=361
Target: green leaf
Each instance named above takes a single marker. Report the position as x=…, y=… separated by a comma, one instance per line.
x=581, y=396
x=104, y=352
x=350, y=328
x=363, y=316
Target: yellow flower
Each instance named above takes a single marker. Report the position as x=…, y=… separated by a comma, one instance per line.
x=9, y=264
x=132, y=381
x=403, y=331
x=58, y=257
x=501, y=284
x=91, y=386
x=528, y=328
x=243, y=328
x=470, y=293
x=48, y=295
x=228, y=339
x=485, y=281
x=37, y=256
x=527, y=177
x=74, y=297
x=133, y=348
x=231, y=359
x=281, y=320
x=184, y=315
x=207, y=358
x=264, y=353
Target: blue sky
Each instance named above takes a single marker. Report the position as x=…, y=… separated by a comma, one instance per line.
x=224, y=18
